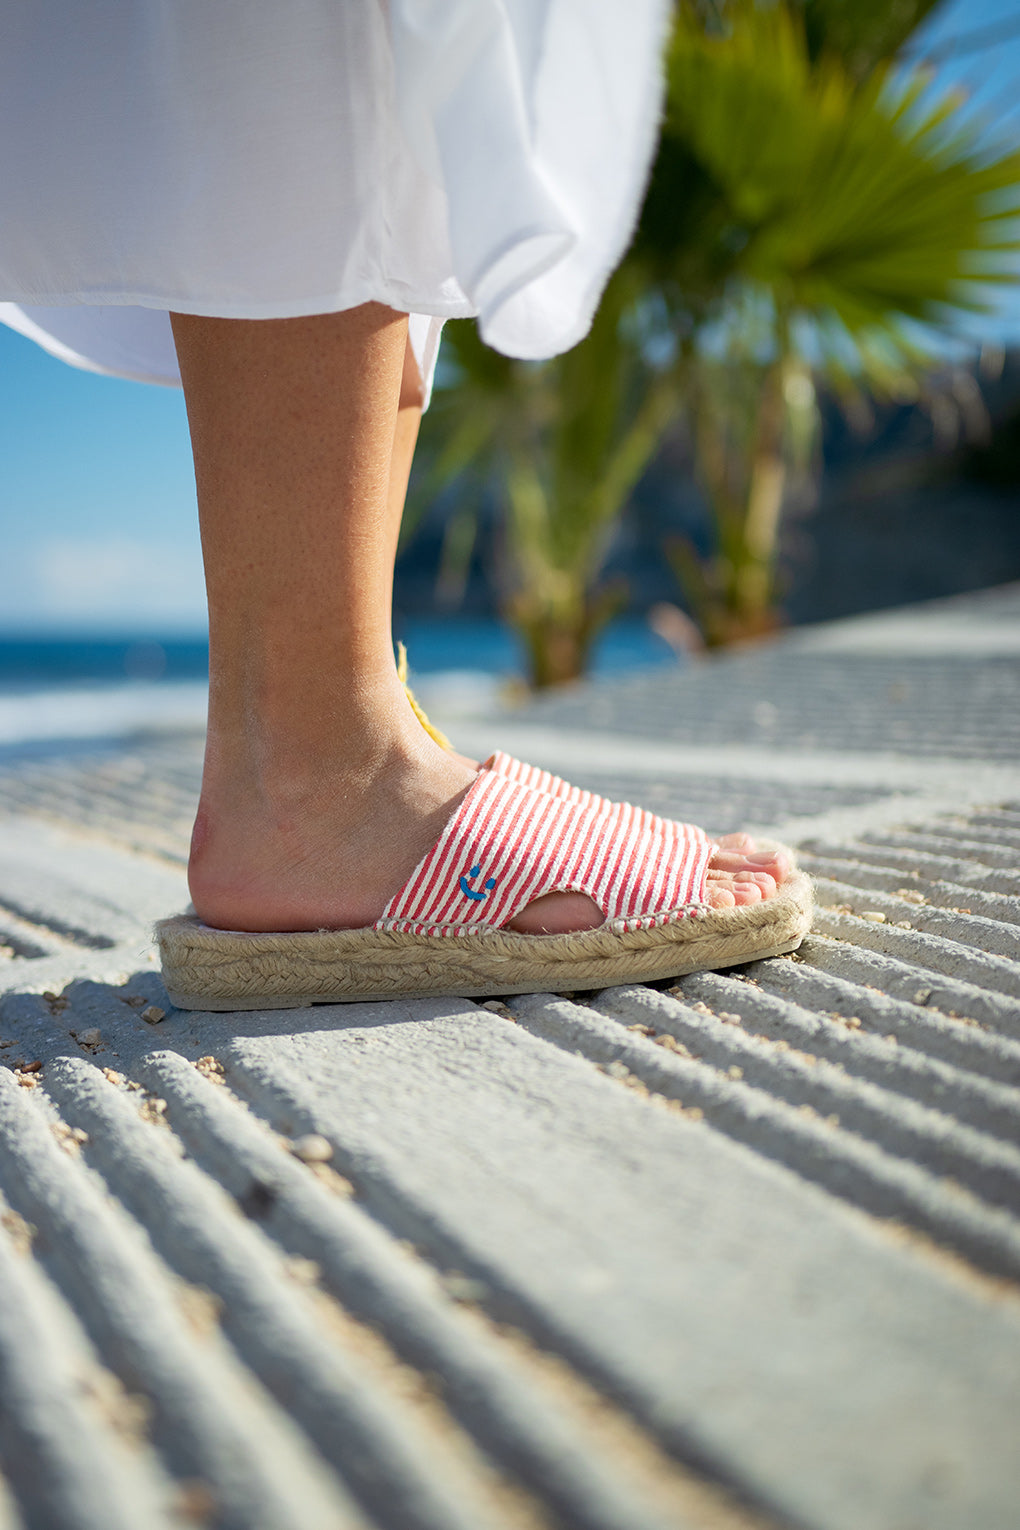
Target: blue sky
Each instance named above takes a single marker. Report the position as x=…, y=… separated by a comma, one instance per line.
x=97, y=517
x=98, y=525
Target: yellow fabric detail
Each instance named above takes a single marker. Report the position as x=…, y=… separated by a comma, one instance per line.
x=430, y=728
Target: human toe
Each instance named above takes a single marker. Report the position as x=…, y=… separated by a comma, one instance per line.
x=731, y=861
x=741, y=841
x=558, y=914
x=772, y=863
x=761, y=879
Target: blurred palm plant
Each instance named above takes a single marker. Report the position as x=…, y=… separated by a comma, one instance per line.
x=566, y=441
x=843, y=220
x=813, y=213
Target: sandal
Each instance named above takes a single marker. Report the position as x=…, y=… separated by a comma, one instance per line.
x=443, y=932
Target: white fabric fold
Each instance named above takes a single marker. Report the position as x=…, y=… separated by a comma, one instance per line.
x=538, y=120
x=246, y=159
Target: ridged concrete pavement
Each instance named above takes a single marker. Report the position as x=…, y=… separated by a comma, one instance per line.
x=736, y=1252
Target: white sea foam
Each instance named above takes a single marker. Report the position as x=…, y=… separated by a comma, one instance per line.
x=101, y=711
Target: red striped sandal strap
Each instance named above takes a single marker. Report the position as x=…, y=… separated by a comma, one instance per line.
x=554, y=786
x=507, y=844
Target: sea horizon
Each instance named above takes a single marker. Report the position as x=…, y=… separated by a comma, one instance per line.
x=70, y=686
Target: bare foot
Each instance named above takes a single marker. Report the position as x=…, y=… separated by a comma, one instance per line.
x=307, y=848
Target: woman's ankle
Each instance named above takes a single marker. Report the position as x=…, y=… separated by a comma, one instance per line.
x=310, y=846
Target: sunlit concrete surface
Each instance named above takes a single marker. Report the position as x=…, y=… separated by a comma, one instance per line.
x=743, y=1252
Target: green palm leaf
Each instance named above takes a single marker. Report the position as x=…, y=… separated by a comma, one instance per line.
x=813, y=208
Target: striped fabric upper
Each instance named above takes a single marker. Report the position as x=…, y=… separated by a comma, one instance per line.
x=507, y=845
x=554, y=786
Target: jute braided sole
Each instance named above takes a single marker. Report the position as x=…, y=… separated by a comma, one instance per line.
x=228, y=970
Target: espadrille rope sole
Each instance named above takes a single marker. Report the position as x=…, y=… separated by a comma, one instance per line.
x=222, y=970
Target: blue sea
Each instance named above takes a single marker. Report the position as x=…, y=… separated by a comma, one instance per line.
x=59, y=689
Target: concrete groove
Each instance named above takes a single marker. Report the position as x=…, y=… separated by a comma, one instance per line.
x=10, y=1518
x=146, y=798
x=986, y=853
x=840, y=1161
x=367, y=1437
x=782, y=1000
x=966, y=929
x=972, y=831
x=924, y=865
x=30, y=914
x=821, y=981
x=68, y=1460
x=903, y=979
x=740, y=1255
x=394, y=1188
x=275, y=1091
x=899, y=1125
x=377, y=1281
x=509, y=1417
x=25, y=941
x=1003, y=819
x=950, y=895
x=933, y=953
x=208, y=1421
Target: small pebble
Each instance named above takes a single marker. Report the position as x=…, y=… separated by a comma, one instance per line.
x=153, y=1014
x=873, y=916
x=333, y=1181
x=306, y=1271
x=904, y=924
x=69, y=1137
x=735, y=1072
x=618, y=1070
x=461, y=1288
x=29, y=1067
x=195, y=1501
x=90, y=1038
x=312, y=1149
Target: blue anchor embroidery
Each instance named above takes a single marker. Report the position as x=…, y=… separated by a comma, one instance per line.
x=476, y=897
